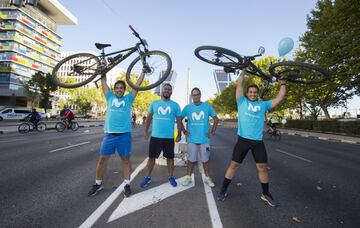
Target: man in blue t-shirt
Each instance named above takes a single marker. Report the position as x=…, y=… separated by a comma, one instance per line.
x=251, y=113
x=198, y=134
x=163, y=113
x=117, y=131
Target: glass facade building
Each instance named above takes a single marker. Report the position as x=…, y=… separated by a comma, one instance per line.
x=222, y=80
x=28, y=44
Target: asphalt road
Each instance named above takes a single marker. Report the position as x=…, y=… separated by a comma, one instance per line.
x=45, y=178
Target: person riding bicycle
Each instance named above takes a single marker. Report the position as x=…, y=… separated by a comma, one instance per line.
x=35, y=117
x=273, y=122
x=68, y=116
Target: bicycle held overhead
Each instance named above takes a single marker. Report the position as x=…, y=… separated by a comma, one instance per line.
x=292, y=71
x=85, y=67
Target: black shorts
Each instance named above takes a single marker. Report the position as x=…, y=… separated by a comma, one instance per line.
x=161, y=144
x=242, y=147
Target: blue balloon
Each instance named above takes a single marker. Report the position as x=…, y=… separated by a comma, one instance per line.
x=285, y=46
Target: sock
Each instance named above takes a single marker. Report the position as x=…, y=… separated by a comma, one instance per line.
x=98, y=182
x=127, y=182
x=265, y=188
x=225, y=184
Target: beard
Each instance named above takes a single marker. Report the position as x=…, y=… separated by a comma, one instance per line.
x=166, y=96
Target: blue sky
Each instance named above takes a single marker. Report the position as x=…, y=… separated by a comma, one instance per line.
x=178, y=27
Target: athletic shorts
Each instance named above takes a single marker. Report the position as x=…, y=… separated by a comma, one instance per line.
x=242, y=147
x=116, y=141
x=198, y=152
x=161, y=144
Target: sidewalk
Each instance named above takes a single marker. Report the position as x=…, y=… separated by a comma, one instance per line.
x=308, y=134
x=50, y=125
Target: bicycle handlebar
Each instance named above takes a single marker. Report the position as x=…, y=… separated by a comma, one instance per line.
x=138, y=36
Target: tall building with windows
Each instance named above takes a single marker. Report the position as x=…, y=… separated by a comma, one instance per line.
x=222, y=80
x=28, y=43
x=171, y=79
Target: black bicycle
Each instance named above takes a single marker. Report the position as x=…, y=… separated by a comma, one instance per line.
x=79, y=69
x=273, y=133
x=296, y=72
x=30, y=126
x=65, y=124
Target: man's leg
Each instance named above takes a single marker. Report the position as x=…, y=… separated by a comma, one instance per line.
x=170, y=166
x=101, y=167
x=126, y=167
x=150, y=165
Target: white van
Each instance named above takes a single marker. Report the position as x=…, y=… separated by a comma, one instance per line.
x=14, y=113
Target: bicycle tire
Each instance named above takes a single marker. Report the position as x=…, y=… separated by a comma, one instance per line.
x=234, y=59
x=60, y=126
x=133, y=69
x=89, y=71
x=41, y=127
x=277, y=135
x=279, y=69
x=74, y=126
x=24, y=128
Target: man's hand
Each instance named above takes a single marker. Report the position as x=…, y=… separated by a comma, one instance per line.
x=178, y=138
x=146, y=134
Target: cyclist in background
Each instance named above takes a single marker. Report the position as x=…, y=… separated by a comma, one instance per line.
x=68, y=116
x=35, y=117
x=273, y=122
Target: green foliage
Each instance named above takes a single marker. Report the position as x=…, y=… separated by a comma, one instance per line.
x=332, y=41
x=350, y=127
x=41, y=86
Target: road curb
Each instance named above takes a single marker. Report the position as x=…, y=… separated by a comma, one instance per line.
x=323, y=138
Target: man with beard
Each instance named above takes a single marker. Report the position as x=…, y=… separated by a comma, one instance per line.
x=163, y=114
x=251, y=113
x=117, y=131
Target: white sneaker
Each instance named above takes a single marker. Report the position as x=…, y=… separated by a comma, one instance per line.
x=187, y=180
x=209, y=182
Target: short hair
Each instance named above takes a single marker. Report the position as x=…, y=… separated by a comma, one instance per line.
x=121, y=82
x=252, y=86
x=196, y=88
x=167, y=84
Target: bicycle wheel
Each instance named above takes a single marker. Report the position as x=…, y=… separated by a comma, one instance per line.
x=218, y=56
x=41, y=127
x=74, y=126
x=76, y=70
x=277, y=135
x=60, y=126
x=298, y=72
x=24, y=128
x=157, y=66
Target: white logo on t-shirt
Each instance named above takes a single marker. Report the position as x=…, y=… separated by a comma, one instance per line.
x=255, y=108
x=198, y=117
x=164, y=111
x=115, y=102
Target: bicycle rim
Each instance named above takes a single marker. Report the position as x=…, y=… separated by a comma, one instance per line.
x=157, y=66
x=60, y=127
x=75, y=70
x=24, y=128
x=41, y=127
x=74, y=126
x=298, y=72
x=218, y=56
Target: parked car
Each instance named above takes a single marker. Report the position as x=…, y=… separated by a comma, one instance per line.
x=18, y=114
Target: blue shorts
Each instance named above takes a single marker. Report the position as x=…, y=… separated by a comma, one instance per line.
x=116, y=141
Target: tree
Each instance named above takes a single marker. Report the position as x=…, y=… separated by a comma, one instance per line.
x=41, y=83
x=332, y=41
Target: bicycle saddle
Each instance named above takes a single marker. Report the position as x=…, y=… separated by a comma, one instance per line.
x=101, y=46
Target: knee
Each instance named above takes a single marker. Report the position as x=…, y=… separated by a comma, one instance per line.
x=261, y=168
x=126, y=161
x=233, y=167
x=103, y=159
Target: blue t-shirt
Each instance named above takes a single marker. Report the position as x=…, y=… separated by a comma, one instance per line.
x=118, y=113
x=164, y=115
x=198, y=121
x=251, y=117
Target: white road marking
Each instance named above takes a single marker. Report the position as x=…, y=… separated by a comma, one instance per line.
x=148, y=197
x=295, y=156
x=67, y=147
x=90, y=221
x=323, y=138
x=348, y=141
x=291, y=133
x=214, y=213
